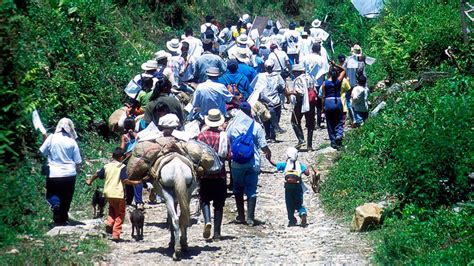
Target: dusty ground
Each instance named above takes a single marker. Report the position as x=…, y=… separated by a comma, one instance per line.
x=324, y=241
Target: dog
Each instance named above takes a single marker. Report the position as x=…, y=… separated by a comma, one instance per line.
x=315, y=180
x=98, y=202
x=137, y=219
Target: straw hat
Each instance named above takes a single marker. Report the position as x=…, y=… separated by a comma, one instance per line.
x=356, y=50
x=242, y=56
x=150, y=65
x=161, y=55
x=316, y=23
x=243, y=39
x=173, y=45
x=213, y=72
x=214, y=118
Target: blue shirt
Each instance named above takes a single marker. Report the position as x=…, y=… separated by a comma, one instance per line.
x=247, y=71
x=206, y=61
x=239, y=79
x=210, y=95
x=282, y=165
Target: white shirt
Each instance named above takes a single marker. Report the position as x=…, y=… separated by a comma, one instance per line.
x=360, y=97
x=213, y=27
x=291, y=38
x=280, y=58
x=195, y=46
x=319, y=33
x=311, y=60
x=63, y=155
x=305, y=47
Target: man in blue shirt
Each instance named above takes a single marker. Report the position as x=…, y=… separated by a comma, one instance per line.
x=232, y=77
x=244, y=67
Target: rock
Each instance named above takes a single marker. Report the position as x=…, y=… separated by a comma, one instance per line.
x=366, y=216
x=378, y=108
x=13, y=251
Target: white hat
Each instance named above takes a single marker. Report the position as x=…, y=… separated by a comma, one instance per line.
x=213, y=72
x=269, y=63
x=161, y=54
x=214, y=118
x=316, y=23
x=245, y=18
x=297, y=67
x=304, y=33
x=168, y=121
x=242, y=39
x=66, y=125
x=292, y=154
x=356, y=50
x=264, y=41
x=241, y=55
x=173, y=45
x=150, y=65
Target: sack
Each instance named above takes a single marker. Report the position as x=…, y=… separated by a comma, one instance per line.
x=313, y=96
x=292, y=177
x=243, y=146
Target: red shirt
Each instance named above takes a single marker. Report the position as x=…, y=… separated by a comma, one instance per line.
x=211, y=137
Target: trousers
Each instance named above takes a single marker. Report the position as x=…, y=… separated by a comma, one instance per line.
x=59, y=193
x=294, y=202
x=333, y=111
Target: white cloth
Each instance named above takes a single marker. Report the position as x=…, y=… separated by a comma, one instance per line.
x=318, y=33
x=63, y=155
x=280, y=58
x=66, y=124
x=223, y=145
x=303, y=83
x=169, y=121
x=292, y=39
x=368, y=8
x=305, y=47
x=195, y=46
x=360, y=97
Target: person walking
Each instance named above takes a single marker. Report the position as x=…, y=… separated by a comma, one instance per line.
x=115, y=175
x=359, y=98
x=213, y=187
x=247, y=138
x=332, y=104
x=63, y=163
x=302, y=105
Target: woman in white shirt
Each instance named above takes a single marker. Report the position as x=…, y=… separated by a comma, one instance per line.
x=63, y=159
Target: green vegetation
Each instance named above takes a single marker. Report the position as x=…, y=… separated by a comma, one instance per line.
x=73, y=58
x=417, y=154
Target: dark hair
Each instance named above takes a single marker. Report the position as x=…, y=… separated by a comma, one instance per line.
x=316, y=48
x=209, y=18
x=147, y=83
x=117, y=153
x=232, y=65
x=161, y=85
x=333, y=73
x=207, y=46
x=275, y=30
x=129, y=123
x=302, y=23
x=188, y=31
x=361, y=80
x=292, y=25
x=228, y=24
x=341, y=57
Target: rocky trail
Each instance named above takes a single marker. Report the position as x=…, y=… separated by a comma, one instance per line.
x=324, y=241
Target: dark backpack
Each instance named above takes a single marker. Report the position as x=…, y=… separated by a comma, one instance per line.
x=209, y=34
x=243, y=146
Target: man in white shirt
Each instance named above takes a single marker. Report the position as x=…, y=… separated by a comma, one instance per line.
x=359, y=99
x=291, y=39
x=280, y=58
x=211, y=94
x=305, y=46
x=195, y=45
x=317, y=32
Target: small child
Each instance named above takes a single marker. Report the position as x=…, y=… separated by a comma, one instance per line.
x=115, y=175
x=293, y=170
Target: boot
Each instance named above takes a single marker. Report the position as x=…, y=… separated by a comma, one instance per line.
x=251, y=202
x=310, y=140
x=206, y=212
x=239, y=202
x=299, y=135
x=217, y=224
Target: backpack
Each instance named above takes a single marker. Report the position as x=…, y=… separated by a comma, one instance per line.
x=243, y=146
x=209, y=33
x=233, y=87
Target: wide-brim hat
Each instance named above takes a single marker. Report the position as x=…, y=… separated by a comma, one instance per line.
x=214, y=118
x=213, y=72
x=264, y=41
x=316, y=23
x=242, y=56
x=150, y=65
x=161, y=55
x=174, y=45
x=297, y=67
x=243, y=39
x=356, y=50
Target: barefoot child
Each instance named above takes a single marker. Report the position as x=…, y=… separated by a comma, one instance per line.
x=115, y=175
x=293, y=170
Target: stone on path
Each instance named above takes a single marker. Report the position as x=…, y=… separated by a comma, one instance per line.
x=365, y=216
x=86, y=227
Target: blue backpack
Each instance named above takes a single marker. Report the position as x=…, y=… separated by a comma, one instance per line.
x=243, y=146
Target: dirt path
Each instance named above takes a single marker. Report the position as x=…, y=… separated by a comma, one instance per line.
x=324, y=241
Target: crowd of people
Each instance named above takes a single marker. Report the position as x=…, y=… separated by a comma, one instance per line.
x=233, y=82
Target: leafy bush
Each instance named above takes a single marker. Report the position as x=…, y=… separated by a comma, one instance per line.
x=418, y=150
x=424, y=237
